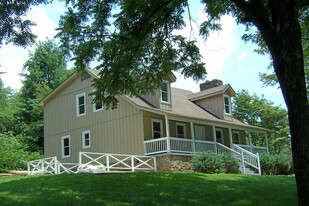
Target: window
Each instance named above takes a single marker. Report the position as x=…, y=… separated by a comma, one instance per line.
x=181, y=130
x=236, y=137
x=219, y=135
x=165, y=92
x=156, y=128
x=199, y=132
x=227, y=104
x=80, y=105
x=65, y=146
x=86, y=139
x=97, y=106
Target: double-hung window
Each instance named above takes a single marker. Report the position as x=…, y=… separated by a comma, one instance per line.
x=181, y=130
x=97, y=106
x=227, y=105
x=65, y=146
x=86, y=139
x=157, y=129
x=165, y=92
x=80, y=105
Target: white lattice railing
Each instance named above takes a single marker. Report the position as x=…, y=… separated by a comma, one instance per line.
x=181, y=145
x=50, y=165
x=101, y=162
x=155, y=146
x=42, y=166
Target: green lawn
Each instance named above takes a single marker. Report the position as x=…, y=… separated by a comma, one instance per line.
x=148, y=189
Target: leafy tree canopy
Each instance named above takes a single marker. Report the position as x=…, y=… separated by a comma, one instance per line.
x=258, y=111
x=13, y=28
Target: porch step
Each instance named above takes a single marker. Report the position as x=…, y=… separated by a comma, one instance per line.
x=249, y=171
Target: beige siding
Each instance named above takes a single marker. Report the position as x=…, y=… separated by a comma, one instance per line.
x=147, y=117
x=208, y=132
x=155, y=99
x=214, y=104
x=172, y=125
x=114, y=131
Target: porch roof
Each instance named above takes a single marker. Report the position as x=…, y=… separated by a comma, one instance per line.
x=183, y=107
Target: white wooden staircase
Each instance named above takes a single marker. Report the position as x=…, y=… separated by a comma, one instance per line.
x=249, y=162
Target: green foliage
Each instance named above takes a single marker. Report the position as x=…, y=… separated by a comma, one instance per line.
x=43, y=71
x=214, y=163
x=139, y=47
x=14, y=154
x=231, y=164
x=258, y=111
x=280, y=164
x=149, y=188
x=13, y=27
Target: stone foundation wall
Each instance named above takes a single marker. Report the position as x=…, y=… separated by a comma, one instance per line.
x=174, y=163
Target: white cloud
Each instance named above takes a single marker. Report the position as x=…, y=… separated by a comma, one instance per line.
x=242, y=56
x=215, y=50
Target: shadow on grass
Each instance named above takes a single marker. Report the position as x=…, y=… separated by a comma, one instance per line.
x=149, y=189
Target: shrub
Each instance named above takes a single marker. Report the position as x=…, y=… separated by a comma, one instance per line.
x=281, y=164
x=13, y=153
x=231, y=164
x=208, y=163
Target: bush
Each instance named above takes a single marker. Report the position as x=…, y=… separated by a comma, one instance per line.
x=214, y=163
x=281, y=164
x=231, y=164
x=13, y=153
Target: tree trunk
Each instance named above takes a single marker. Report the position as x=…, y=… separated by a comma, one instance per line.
x=289, y=67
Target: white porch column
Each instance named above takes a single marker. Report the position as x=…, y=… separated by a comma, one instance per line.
x=215, y=137
x=193, y=137
x=250, y=141
x=231, y=137
x=167, y=129
x=267, y=145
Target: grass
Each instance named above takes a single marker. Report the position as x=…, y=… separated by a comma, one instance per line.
x=148, y=189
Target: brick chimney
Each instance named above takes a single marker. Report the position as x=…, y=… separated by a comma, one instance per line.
x=210, y=84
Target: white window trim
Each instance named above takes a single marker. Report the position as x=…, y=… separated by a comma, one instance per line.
x=168, y=93
x=229, y=102
x=161, y=126
x=94, y=106
x=184, y=129
x=83, y=139
x=62, y=146
x=77, y=104
x=222, y=134
x=238, y=133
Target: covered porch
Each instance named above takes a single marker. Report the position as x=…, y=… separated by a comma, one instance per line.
x=171, y=135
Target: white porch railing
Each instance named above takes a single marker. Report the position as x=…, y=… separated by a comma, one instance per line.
x=177, y=145
x=253, y=149
x=248, y=158
x=108, y=162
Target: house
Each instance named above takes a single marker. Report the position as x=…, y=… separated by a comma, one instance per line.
x=172, y=123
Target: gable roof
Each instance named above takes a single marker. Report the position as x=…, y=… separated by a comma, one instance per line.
x=182, y=104
x=212, y=92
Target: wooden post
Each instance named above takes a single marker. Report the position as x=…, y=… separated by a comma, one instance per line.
x=132, y=163
x=55, y=167
x=193, y=137
x=231, y=137
x=250, y=141
x=80, y=159
x=155, y=163
x=243, y=162
x=107, y=162
x=258, y=161
x=42, y=166
x=28, y=168
x=167, y=134
x=215, y=137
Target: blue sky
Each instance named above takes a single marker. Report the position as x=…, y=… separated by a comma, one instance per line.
x=226, y=56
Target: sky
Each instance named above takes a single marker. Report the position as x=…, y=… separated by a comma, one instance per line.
x=226, y=56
